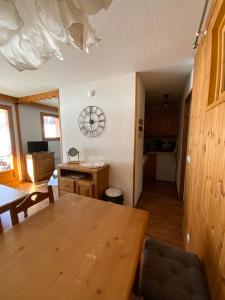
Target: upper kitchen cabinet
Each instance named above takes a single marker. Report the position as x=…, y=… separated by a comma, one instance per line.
x=161, y=123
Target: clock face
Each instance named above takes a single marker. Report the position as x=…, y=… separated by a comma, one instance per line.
x=91, y=121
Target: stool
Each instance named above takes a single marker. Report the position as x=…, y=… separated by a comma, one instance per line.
x=114, y=195
x=171, y=274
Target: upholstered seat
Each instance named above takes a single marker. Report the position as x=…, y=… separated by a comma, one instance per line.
x=171, y=274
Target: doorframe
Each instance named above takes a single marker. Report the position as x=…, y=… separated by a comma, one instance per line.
x=187, y=104
x=12, y=138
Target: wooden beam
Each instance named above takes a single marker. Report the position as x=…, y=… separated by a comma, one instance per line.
x=38, y=97
x=42, y=106
x=8, y=98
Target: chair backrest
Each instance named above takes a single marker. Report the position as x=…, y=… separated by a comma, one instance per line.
x=30, y=201
x=1, y=227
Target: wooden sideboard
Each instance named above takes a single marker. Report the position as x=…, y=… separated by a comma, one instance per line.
x=94, y=184
x=39, y=166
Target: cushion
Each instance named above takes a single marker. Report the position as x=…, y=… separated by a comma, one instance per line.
x=171, y=274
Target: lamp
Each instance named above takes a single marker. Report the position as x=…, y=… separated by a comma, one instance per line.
x=32, y=33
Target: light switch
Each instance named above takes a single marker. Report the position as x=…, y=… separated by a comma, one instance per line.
x=188, y=159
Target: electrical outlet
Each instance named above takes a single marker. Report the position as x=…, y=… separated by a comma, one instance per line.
x=188, y=159
x=188, y=237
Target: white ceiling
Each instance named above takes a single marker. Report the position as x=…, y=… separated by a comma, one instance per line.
x=170, y=81
x=137, y=35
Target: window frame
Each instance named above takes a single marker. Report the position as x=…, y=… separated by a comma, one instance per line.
x=12, y=174
x=216, y=94
x=42, y=115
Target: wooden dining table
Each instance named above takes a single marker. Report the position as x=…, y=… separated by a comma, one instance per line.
x=9, y=197
x=76, y=248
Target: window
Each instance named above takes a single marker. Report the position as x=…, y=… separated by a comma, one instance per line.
x=50, y=127
x=6, y=156
x=8, y=159
x=217, y=71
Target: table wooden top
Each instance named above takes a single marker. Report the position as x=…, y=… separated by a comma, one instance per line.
x=77, y=248
x=9, y=195
x=80, y=168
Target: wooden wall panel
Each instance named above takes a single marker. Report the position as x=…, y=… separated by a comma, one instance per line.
x=204, y=193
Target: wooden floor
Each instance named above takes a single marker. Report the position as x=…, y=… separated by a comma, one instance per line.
x=166, y=212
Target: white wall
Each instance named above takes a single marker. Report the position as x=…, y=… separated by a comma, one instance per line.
x=188, y=88
x=116, y=97
x=139, y=159
x=30, y=127
x=3, y=102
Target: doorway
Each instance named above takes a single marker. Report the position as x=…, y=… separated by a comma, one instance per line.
x=8, y=164
x=186, y=120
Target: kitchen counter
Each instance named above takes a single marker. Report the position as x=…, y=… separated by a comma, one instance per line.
x=165, y=165
x=159, y=152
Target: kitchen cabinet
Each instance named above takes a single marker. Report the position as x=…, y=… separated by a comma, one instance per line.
x=160, y=166
x=150, y=167
x=161, y=123
x=166, y=167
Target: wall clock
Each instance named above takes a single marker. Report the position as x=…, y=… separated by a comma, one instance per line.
x=91, y=121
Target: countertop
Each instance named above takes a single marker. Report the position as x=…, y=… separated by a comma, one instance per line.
x=160, y=153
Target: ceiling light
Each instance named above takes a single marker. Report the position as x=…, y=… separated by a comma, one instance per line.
x=31, y=33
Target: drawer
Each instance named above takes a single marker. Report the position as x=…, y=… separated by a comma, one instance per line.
x=84, y=188
x=44, y=157
x=66, y=185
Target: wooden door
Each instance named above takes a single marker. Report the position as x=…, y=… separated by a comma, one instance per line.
x=8, y=161
x=184, y=145
x=84, y=188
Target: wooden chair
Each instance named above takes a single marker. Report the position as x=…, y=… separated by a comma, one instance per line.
x=30, y=201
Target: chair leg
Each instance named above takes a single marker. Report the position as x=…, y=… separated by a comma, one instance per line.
x=1, y=227
x=51, y=195
x=14, y=216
